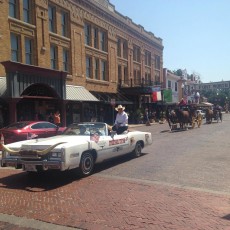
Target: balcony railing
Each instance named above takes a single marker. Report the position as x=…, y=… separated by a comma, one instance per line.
x=138, y=83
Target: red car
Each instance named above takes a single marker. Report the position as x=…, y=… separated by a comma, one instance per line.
x=25, y=130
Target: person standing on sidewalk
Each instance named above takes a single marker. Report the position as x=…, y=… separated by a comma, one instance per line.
x=121, y=122
x=57, y=118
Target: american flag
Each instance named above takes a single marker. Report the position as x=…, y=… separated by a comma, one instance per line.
x=94, y=137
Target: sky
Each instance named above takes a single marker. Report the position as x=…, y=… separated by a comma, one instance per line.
x=195, y=33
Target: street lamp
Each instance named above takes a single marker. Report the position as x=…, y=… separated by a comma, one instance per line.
x=197, y=97
x=182, y=88
x=226, y=105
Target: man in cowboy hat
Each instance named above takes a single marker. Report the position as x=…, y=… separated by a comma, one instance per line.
x=121, y=122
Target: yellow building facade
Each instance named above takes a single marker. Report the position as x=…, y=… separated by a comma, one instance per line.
x=59, y=43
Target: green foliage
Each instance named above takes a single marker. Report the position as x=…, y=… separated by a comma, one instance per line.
x=178, y=72
x=217, y=97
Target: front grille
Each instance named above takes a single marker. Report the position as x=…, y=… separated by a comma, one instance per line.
x=28, y=153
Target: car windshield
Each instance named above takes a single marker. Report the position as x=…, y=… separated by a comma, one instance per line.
x=86, y=129
x=17, y=125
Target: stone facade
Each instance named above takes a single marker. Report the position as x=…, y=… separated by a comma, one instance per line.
x=96, y=47
x=101, y=15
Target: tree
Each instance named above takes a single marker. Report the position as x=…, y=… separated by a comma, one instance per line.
x=178, y=72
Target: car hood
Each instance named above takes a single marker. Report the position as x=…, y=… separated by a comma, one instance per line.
x=42, y=143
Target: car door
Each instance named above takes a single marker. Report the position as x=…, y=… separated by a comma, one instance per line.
x=112, y=147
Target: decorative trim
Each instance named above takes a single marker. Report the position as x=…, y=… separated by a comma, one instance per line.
x=21, y=29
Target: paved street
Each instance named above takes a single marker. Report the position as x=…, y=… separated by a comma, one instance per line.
x=181, y=182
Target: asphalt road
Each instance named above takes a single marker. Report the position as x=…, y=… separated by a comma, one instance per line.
x=198, y=158
x=181, y=182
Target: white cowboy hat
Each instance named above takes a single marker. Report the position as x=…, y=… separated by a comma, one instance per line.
x=119, y=107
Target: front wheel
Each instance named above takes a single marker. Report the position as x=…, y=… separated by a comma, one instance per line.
x=87, y=164
x=137, y=150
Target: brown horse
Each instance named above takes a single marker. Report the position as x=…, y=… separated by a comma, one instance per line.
x=184, y=118
x=171, y=118
x=209, y=115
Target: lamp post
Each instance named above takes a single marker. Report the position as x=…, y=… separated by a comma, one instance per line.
x=217, y=97
x=182, y=90
x=226, y=105
x=197, y=97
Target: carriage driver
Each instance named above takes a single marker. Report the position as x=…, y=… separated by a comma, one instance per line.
x=121, y=122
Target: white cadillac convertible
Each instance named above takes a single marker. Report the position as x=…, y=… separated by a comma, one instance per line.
x=81, y=146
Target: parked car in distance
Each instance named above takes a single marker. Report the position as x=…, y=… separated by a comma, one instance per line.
x=202, y=113
x=81, y=146
x=25, y=130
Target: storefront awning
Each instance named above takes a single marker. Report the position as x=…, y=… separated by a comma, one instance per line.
x=107, y=97
x=2, y=86
x=79, y=93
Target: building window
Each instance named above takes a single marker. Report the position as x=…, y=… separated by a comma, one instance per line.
x=157, y=78
x=137, y=77
x=147, y=78
x=119, y=74
x=103, y=70
x=87, y=34
x=126, y=80
x=169, y=84
x=95, y=38
x=29, y=51
x=88, y=67
x=157, y=62
x=27, y=11
x=125, y=49
x=102, y=41
x=13, y=8
x=15, y=47
x=65, y=59
x=64, y=24
x=96, y=68
x=136, y=54
x=119, y=47
x=52, y=24
x=175, y=86
x=122, y=48
x=53, y=56
x=147, y=58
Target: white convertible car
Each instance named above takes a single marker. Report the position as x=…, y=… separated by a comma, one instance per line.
x=80, y=146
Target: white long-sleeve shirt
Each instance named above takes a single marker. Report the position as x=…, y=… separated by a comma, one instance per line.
x=122, y=119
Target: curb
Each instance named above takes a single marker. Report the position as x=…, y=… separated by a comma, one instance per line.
x=31, y=223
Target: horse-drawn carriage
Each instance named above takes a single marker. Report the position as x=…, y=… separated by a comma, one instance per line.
x=213, y=114
x=184, y=116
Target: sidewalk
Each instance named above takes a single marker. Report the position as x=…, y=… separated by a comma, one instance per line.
x=109, y=203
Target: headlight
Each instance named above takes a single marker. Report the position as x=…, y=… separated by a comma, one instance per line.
x=56, y=155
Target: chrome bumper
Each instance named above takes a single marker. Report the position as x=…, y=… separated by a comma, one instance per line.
x=42, y=164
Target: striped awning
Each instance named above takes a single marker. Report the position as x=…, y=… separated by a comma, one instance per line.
x=2, y=86
x=79, y=93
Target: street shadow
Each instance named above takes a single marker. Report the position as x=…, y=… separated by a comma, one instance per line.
x=38, y=182
x=227, y=217
x=115, y=161
x=49, y=180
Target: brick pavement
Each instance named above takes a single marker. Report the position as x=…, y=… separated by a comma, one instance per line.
x=106, y=203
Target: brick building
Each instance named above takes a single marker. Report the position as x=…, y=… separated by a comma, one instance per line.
x=74, y=56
